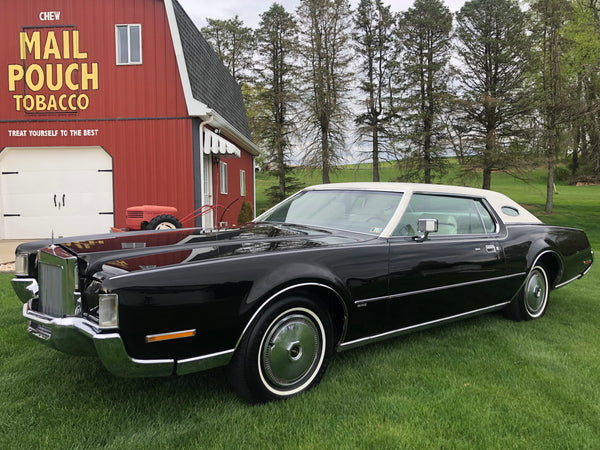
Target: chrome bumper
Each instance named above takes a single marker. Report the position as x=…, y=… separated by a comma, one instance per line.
x=79, y=336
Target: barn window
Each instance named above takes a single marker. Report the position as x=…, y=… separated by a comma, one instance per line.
x=129, y=44
x=242, y=183
x=223, y=176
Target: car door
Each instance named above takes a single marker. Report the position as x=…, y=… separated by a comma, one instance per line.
x=449, y=273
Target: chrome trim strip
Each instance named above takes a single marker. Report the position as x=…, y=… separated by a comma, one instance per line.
x=289, y=288
x=569, y=281
x=205, y=362
x=439, y=288
x=389, y=334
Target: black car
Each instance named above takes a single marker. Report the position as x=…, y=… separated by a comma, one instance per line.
x=331, y=268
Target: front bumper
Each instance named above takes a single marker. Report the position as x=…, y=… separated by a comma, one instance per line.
x=80, y=336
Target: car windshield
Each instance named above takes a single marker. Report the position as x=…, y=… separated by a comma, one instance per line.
x=352, y=210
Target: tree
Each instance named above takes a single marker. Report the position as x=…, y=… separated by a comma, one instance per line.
x=549, y=18
x=425, y=34
x=233, y=43
x=493, y=48
x=377, y=50
x=276, y=74
x=325, y=58
x=582, y=68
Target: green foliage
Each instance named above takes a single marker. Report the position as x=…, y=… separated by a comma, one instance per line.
x=377, y=48
x=425, y=36
x=246, y=214
x=494, y=51
x=326, y=81
x=233, y=43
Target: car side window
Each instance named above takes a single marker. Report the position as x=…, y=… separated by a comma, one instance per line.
x=455, y=215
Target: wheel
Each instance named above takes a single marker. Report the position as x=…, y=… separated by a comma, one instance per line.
x=163, y=222
x=532, y=300
x=284, y=353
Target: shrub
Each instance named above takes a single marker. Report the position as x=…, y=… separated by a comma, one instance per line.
x=246, y=214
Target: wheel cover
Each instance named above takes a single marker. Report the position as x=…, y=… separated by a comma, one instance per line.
x=536, y=292
x=291, y=352
x=165, y=226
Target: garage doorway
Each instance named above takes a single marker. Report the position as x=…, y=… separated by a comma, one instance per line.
x=65, y=191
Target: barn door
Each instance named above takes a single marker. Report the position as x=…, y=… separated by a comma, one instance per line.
x=51, y=190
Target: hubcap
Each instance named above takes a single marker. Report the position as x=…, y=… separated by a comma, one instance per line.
x=291, y=351
x=536, y=292
x=165, y=226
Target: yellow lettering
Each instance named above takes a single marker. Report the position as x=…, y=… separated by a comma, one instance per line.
x=83, y=102
x=51, y=47
x=72, y=99
x=66, y=47
x=15, y=73
x=34, y=86
x=69, y=76
x=89, y=76
x=61, y=102
x=40, y=103
x=76, y=53
x=59, y=77
x=51, y=104
x=28, y=102
x=32, y=44
x=18, y=99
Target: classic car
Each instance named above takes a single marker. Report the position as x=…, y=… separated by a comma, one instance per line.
x=329, y=269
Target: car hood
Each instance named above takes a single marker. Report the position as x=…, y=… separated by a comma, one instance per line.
x=127, y=252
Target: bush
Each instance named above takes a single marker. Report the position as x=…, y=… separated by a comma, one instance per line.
x=246, y=214
x=562, y=173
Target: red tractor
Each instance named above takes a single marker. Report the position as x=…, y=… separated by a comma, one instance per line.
x=153, y=217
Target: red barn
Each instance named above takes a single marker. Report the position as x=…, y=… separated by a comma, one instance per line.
x=110, y=104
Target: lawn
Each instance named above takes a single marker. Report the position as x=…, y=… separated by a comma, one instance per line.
x=482, y=383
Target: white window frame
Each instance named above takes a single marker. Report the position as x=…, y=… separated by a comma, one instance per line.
x=242, y=183
x=129, y=27
x=223, y=178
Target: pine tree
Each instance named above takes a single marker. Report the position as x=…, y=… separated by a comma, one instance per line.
x=425, y=34
x=377, y=51
x=326, y=79
x=493, y=48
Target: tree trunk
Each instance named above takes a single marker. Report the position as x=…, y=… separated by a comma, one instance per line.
x=375, y=155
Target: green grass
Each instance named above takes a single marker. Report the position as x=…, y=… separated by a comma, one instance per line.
x=482, y=383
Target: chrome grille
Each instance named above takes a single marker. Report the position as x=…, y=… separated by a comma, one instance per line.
x=57, y=280
x=51, y=289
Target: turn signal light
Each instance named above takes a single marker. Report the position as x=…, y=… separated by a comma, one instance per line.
x=108, y=311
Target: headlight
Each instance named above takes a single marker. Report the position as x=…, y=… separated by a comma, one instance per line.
x=22, y=264
x=108, y=311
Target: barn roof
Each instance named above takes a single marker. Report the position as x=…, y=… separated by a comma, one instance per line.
x=209, y=88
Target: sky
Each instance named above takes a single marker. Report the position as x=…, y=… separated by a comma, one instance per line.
x=249, y=10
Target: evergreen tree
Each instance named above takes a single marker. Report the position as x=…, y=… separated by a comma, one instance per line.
x=276, y=74
x=326, y=79
x=377, y=51
x=549, y=19
x=425, y=31
x=493, y=48
x=233, y=43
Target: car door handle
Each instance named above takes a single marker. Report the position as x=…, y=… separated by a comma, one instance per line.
x=490, y=248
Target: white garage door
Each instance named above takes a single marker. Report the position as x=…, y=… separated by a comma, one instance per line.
x=65, y=191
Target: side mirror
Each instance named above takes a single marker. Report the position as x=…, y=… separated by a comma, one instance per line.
x=426, y=226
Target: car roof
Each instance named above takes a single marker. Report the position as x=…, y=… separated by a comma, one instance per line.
x=498, y=201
